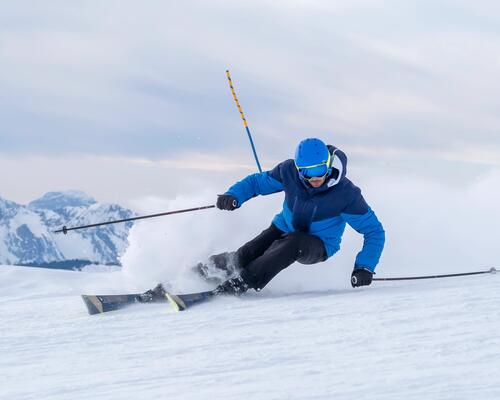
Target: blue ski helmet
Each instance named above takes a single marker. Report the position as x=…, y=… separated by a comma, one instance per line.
x=312, y=158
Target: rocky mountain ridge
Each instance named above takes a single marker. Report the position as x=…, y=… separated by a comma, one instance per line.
x=27, y=238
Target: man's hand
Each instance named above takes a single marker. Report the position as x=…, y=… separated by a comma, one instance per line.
x=227, y=202
x=361, y=277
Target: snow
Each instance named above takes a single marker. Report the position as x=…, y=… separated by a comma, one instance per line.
x=436, y=339
x=26, y=232
x=4, y=249
x=58, y=200
x=307, y=335
x=31, y=220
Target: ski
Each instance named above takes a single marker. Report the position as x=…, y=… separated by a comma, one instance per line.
x=98, y=304
x=181, y=302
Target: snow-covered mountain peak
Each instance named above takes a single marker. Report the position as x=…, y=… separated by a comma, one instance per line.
x=7, y=203
x=8, y=208
x=60, y=200
x=27, y=232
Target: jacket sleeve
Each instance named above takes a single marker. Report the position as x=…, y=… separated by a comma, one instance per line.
x=367, y=224
x=263, y=183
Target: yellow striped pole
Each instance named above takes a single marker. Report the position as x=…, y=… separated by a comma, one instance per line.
x=243, y=118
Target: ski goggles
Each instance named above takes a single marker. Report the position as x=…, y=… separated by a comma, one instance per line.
x=313, y=171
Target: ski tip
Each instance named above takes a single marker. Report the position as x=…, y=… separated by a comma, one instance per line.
x=94, y=305
x=176, y=302
x=493, y=270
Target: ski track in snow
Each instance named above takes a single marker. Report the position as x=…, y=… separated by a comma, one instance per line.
x=435, y=339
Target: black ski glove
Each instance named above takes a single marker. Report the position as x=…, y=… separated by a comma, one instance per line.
x=227, y=202
x=361, y=277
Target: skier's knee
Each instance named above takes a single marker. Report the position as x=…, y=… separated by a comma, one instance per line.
x=309, y=249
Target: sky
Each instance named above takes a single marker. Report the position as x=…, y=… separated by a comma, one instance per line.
x=124, y=100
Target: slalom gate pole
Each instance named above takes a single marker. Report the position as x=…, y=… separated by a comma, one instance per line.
x=490, y=271
x=244, y=120
x=65, y=230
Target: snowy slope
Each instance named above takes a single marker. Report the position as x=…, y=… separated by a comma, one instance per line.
x=414, y=340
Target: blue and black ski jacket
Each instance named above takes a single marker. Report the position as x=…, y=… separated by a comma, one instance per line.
x=322, y=211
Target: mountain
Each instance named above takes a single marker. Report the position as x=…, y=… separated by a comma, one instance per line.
x=59, y=200
x=26, y=232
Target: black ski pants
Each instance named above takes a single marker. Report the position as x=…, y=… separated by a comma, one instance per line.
x=263, y=257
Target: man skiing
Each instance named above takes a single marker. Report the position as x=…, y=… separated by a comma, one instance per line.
x=319, y=201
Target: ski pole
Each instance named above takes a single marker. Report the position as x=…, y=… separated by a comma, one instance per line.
x=65, y=230
x=490, y=271
x=244, y=120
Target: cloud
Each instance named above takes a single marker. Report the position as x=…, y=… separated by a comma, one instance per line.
x=129, y=82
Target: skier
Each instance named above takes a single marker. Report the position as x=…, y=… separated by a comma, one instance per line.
x=319, y=201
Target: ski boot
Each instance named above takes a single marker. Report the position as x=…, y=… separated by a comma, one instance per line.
x=234, y=286
x=218, y=269
x=153, y=295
